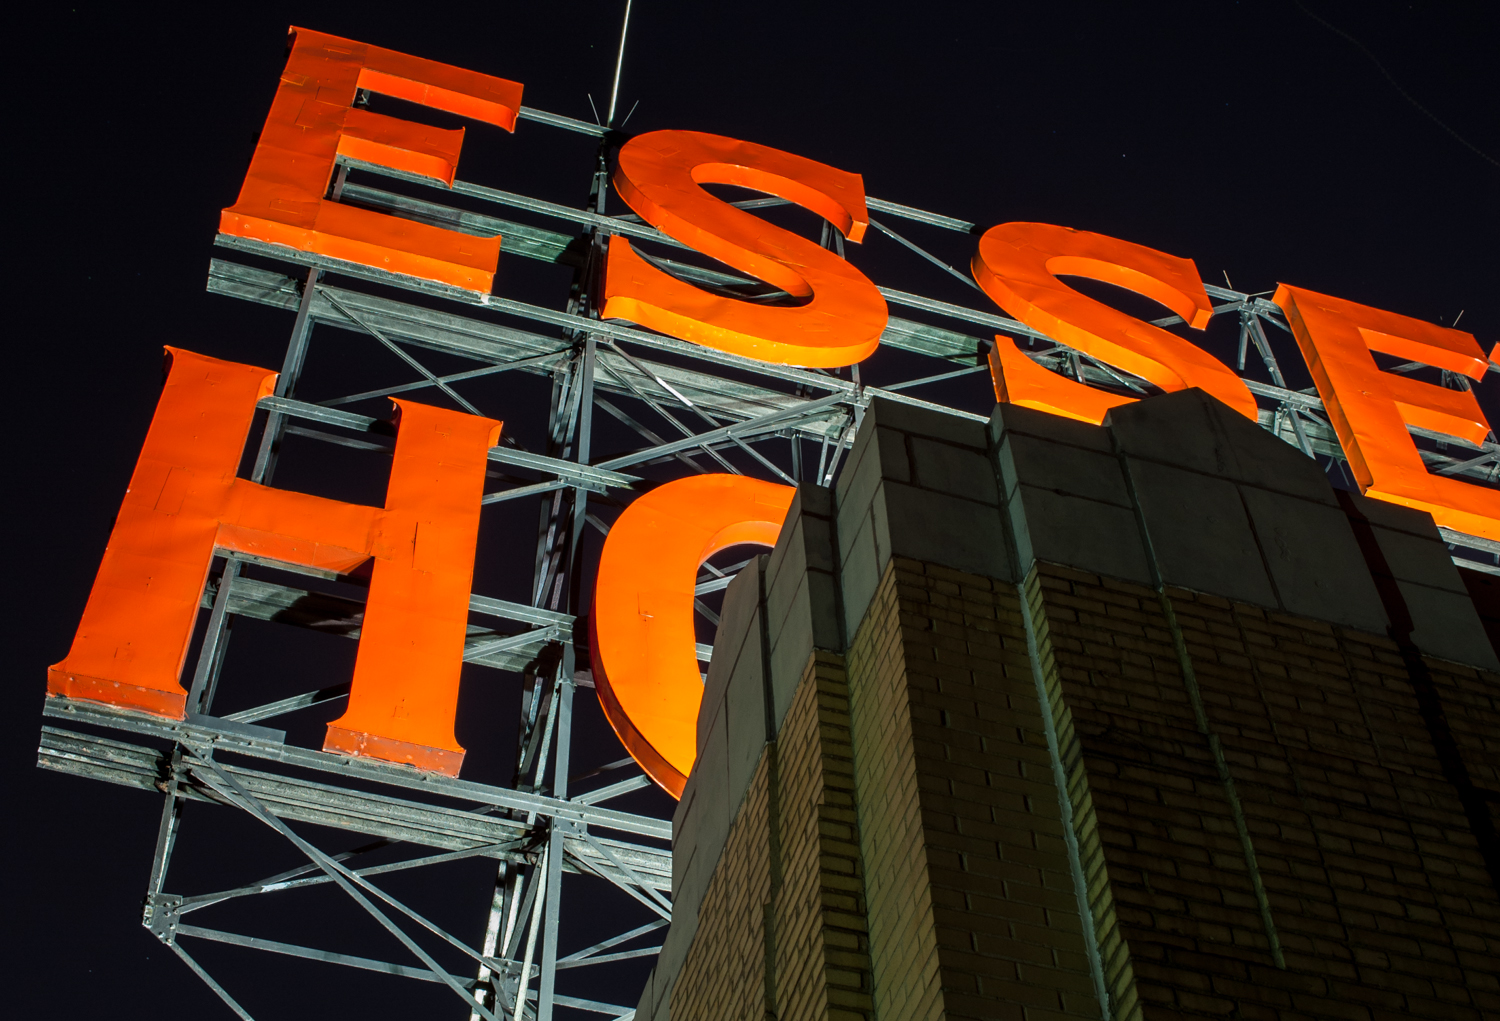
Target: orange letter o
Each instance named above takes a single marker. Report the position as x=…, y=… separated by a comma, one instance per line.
x=642, y=640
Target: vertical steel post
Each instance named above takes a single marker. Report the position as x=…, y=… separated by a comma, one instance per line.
x=215, y=639
x=1249, y=320
x=216, y=636
x=286, y=382
x=570, y=432
x=548, y=990
x=166, y=833
x=484, y=987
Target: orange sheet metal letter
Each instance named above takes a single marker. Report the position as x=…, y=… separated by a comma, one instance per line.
x=1371, y=409
x=1018, y=265
x=1019, y=380
x=645, y=666
x=184, y=502
x=659, y=175
x=313, y=121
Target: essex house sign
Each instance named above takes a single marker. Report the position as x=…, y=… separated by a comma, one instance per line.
x=185, y=504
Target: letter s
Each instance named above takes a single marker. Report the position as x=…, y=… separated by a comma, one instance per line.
x=660, y=174
x=1017, y=265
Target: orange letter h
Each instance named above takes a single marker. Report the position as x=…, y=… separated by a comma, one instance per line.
x=185, y=503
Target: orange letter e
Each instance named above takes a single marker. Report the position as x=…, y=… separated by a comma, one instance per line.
x=313, y=121
x=1371, y=409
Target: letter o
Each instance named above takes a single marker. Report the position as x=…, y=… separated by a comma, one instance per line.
x=642, y=641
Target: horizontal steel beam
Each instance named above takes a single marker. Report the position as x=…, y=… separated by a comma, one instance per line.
x=354, y=811
x=557, y=120
x=1471, y=541
x=354, y=269
x=919, y=215
x=614, y=790
x=461, y=220
x=328, y=416
x=518, y=611
x=616, y=225
x=726, y=399
x=739, y=430
x=609, y=224
x=571, y=470
x=310, y=954
x=515, y=238
x=281, y=707
x=240, y=740
x=549, y=246
x=344, y=616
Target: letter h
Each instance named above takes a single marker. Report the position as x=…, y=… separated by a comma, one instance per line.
x=185, y=503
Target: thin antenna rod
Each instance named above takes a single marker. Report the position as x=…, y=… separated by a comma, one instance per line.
x=614, y=93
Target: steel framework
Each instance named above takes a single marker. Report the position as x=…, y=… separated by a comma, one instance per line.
x=729, y=414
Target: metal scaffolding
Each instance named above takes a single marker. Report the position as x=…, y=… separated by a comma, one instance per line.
x=716, y=412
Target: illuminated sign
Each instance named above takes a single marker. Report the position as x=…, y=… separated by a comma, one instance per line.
x=1371, y=409
x=185, y=504
x=314, y=121
x=660, y=176
x=1018, y=265
x=645, y=663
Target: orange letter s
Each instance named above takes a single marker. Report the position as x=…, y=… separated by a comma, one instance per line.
x=1018, y=264
x=660, y=176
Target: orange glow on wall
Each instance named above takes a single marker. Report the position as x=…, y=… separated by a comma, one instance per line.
x=645, y=666
x=184, y=502
x=1018, y=265
x=660, y=175
x=1019, y=380
x=1371, y=409
x=313, y=121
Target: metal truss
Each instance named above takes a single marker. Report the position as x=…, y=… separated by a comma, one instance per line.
x=1297, y=416
x=694, y=409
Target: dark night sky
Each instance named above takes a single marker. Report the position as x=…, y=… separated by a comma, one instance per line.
x=1246, y=136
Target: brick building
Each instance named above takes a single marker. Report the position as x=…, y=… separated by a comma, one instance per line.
x=1045, y=720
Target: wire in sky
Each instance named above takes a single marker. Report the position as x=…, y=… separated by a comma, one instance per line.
x=1397, y=85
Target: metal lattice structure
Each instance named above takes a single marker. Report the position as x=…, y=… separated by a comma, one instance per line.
x=729, y=413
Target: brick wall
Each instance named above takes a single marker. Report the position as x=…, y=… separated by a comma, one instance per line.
x=1376, y=891
x=781, y=927
x=1044, y=720
x=821, y=930
x=903, y=927
x=724, y=972
x=1115, y=971
x=972, y=905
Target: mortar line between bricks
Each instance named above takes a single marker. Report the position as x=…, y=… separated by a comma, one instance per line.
x=1086, y=920
x=773, y=801
x=773, y=855
x=1065, y=804
x=1200, y=713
